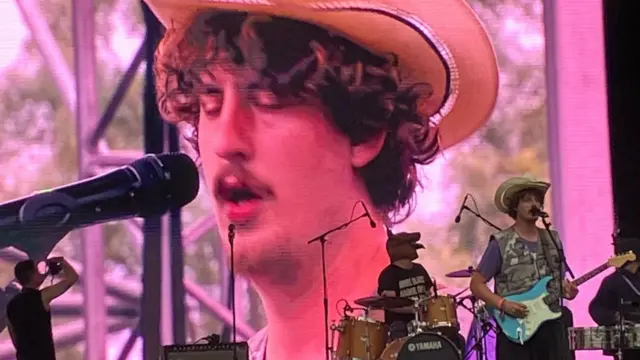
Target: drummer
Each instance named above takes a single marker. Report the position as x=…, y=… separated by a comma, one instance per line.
x=403, y=278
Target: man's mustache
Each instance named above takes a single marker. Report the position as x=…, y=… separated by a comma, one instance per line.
x=246, y=179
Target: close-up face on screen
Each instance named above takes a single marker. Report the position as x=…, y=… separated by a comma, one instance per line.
x=374, y=177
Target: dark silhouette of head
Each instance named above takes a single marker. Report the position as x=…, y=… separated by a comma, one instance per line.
x=27, y=274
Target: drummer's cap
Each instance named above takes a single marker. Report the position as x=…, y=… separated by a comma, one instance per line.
x=396, y=245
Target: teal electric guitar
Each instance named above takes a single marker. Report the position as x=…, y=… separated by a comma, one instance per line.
x=522, y=329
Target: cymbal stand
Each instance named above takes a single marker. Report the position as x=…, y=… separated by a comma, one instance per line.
x=483, y=328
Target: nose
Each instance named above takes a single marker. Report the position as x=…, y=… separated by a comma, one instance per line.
x=235, y=127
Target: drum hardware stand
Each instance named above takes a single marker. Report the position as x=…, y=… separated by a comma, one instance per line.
x=483, y=328
x=322, y=239
x=621, y=334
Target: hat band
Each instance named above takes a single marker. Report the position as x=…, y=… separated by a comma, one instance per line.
x=451, y=69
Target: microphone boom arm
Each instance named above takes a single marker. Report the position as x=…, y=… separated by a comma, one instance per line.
x=322, y=239
x=465, y=207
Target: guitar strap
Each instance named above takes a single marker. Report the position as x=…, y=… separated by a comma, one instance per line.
x=631, y=284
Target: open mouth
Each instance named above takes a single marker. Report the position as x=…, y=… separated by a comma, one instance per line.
x=230, y=189
x=241, y=203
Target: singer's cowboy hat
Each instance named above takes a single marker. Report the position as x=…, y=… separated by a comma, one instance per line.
x=440, y=42
x=512, y=186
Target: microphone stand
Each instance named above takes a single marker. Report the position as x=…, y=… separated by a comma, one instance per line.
x=563, y=259
x=465, y=207
x=323, y=240
x=232, y=236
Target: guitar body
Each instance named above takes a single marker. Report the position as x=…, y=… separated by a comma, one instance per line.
x=521, y=330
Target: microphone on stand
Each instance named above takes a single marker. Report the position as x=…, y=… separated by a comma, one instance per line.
x=535, y=211
x=232, y=235
x=371, y=222
x=462, y=207
x=149, y=186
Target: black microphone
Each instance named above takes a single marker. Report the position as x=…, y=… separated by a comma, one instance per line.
x=535, y=211
x=371, y=222
x=149, y=186
x=462, y=207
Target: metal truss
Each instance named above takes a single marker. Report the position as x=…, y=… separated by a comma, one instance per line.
x=79, y=94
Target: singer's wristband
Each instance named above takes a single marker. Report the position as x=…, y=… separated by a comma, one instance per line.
x=500, y=303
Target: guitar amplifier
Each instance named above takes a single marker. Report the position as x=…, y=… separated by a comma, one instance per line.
x=222, y=351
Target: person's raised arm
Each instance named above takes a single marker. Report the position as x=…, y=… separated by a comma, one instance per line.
x=69, y=277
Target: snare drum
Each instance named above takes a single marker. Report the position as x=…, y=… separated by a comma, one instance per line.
x=441, y=313
x=360, y=338
x=603, y=338
x=422, y=346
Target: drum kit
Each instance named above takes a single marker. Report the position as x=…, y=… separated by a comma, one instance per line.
x=431, y=335
x=614, y=340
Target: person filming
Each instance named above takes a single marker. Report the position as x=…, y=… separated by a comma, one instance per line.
x=28, y=313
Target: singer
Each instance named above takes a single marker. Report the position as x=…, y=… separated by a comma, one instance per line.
x=291, y=134
x=28, y=313
x=516, y=258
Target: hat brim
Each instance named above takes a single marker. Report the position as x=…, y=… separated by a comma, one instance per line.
x=506, y=192
x=439, y=42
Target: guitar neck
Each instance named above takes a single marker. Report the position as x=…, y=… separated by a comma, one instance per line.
x=588, y=276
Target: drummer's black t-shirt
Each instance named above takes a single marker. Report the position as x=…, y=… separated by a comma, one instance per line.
x=407, y=283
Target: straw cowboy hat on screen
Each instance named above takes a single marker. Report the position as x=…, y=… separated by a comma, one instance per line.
x=508, y=189
x=439, y=42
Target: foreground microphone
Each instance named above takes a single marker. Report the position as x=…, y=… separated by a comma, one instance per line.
x=371, y=222
x=539, y=213
x=150, y=186
x=462, y=207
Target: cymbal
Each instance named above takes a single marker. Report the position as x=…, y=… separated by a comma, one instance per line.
x=383, y=302
x=466, y=273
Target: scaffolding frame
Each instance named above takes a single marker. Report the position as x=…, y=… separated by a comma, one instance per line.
x=79, y=94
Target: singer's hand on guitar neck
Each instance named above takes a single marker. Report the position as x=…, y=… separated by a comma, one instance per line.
x=569, y=290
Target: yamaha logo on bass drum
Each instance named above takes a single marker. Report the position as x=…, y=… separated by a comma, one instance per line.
x=425, y=346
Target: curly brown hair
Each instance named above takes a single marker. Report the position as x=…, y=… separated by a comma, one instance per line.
x=519, y=196
x=362, y=92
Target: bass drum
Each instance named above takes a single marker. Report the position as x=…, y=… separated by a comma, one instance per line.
x=423, y=346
